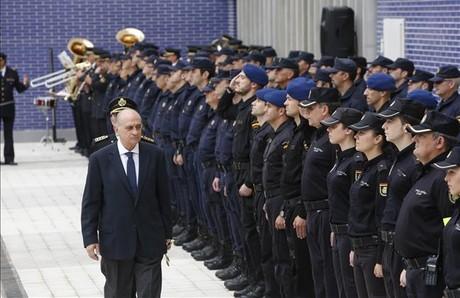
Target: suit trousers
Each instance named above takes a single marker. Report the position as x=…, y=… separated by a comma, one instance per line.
x=124, y=278
x=8, y=150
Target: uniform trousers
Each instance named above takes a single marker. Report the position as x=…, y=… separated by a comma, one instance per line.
x=319, y=245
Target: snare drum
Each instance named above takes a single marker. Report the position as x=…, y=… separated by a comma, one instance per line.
x=45, y=102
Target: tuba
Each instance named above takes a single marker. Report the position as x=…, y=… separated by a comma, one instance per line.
x=79, y=48
x=128, y=37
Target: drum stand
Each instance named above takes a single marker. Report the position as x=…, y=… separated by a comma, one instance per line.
x=47, y=138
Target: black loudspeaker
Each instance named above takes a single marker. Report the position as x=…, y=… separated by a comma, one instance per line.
x=338, y=37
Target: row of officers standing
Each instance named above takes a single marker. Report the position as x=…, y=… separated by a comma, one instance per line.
x=337, y=182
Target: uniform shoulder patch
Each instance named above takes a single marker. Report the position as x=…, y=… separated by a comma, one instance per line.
x=147, y=139
x=101, y=138
x=255, y=124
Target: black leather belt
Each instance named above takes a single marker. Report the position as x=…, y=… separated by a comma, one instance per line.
x=362, y=242
x=387, y=237
x=208, y=163
x=268, y=194
x=452, y=293
x=316, y=205
x=415, y=263
x=291, y=203
x=223, y=168
x=258, y=188
x=238, y=165
x=339, y=229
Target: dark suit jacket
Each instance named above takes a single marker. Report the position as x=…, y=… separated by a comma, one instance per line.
x=129, y=225
x=7, y=85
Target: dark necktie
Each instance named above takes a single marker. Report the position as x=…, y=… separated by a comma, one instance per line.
x=131, y=172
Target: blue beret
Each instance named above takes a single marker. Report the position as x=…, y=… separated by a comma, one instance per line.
x=276, y=97
x=424, y=97
x=381, y=82
x=299, y=88
x=264, y=91
x=255, y=74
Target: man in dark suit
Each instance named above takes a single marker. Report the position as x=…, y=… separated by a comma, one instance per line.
x=126, y=216
x=9, y=80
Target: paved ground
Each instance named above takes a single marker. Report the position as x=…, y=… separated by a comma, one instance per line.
x=40, y=229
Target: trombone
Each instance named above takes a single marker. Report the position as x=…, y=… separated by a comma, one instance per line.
x=78, y=47
x=59, y=77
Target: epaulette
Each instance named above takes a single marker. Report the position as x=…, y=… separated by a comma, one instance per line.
x=255, y=124
x=101, y=138
x=458, y=118
x=359, y=157
x=148, y=140
x=382, y=166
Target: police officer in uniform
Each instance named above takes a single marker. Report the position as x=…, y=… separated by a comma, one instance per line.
x=446, y=84
x=185, y=155
x=379, y=64
x=304, y=61
x=9, y=80
x=400, y=114
x=246, y=84
x=367, y=201
x=339, y=180
x=318, y=161
x=378, y=91
x=286, y=70
x=293, y=208
x=451, y=234
x=212, y=202
x=419, y=225
x=343, y=74
x=420, y=80
x=283, y=127
x=259, y=143
x=401, y=69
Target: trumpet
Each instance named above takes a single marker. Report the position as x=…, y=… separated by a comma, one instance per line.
x=59, y=77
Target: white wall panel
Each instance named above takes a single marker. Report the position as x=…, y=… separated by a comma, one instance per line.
x=295, y=24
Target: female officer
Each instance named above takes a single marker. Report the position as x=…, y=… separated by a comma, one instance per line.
x=367, y=201
x=451, y=235
x=398, y=116
x=339, y=181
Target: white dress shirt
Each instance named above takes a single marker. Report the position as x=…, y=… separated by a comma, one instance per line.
x=3, y=71
x=124, y=158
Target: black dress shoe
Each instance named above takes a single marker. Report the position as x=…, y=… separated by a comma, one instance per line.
x=256, y=291
x=238, y=283
x=196, y=244
x=230, y=272
x=242, y=292
x=74, y=148
x=184, y=238
x=177, y=230
x=219, y=263
x=9, y=163
x=212, y=260
x=206, y=253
